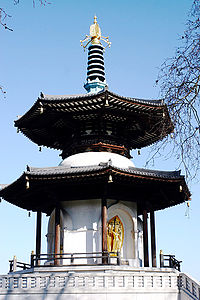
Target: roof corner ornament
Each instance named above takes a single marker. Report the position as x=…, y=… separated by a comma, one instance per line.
x=95, y=36
x=27, y=182
x=41, y=109
x=110, y=178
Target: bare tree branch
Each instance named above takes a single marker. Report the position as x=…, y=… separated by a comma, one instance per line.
x=179, y=80
x=42, y=2
x=3, y=92
x=4, y=16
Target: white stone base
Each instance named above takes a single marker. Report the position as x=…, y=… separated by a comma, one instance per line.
x=97, y=282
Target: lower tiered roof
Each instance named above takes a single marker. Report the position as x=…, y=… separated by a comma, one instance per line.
x=42, y=188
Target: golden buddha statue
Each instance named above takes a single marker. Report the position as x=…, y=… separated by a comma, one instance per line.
x=115, y=235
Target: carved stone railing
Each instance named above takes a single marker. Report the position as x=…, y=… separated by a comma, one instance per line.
x=189, y=286
x=160, y=283
x=102, y=277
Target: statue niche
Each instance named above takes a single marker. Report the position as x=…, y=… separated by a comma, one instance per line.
x=115, y=235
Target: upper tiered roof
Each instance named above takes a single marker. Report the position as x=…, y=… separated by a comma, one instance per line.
x=76, y=123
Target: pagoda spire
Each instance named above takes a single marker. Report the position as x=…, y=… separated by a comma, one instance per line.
x=95, y=81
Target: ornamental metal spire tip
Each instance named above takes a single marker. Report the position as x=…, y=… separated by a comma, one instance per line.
x=95, y=36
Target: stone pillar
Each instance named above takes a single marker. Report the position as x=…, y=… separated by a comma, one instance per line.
x=57, y=236
x=38, y=237
x=153, y=239
x=145, y=239
x=104, y=230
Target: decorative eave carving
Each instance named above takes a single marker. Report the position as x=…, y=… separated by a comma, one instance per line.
x=35, y=187
x=61, y=121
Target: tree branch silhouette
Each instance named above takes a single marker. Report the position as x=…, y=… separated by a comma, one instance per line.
x=179, y=79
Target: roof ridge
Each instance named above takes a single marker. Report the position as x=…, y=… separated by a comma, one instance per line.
x=160, y=171
x=102, y=166
x=47, y=97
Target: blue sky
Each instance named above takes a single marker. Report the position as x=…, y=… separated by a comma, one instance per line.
x=43, y=53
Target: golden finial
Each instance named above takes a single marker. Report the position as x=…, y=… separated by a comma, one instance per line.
x=95, y=36
x=95, y=19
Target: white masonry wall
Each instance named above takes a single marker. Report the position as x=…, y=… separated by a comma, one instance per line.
x=81, y=229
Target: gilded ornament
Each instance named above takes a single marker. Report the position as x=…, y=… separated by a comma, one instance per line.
x=115, y=235
x=95, y=36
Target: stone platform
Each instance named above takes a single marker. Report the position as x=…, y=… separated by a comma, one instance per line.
x=98, y=282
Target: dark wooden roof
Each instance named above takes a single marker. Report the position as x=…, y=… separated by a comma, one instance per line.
x=61, y=121
x=42, y=188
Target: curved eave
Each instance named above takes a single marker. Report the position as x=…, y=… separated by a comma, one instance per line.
x=42, y=123
x=82, y=103
x=150, y=189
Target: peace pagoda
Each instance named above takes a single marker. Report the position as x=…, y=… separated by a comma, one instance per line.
x=97, y=201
